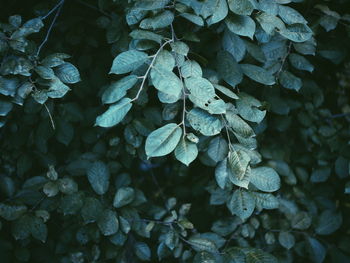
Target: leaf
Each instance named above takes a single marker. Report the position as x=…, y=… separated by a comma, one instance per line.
x=123, y=197
x=234, y=45
x=220, y=12
x=241, y=25
x=186, y=152
x=299, y=62
x=142, y=251
x=221, y=174
x=98, y=176
x=67, y=73
x=29, y=225
x=128, y=61
x=114, y=114
x=226, y=91
x=269, y=22
x=193, y=18
x=265, y=201
x=301, y=221
x=290, y=15
x=5, y=107
x=217, y=149
x=12, y=212
x=8, y=86
x=289, y=81
x=265, y=179
x=191, y=68
x=166, y=81
x=297, y=32
x=151, y=5
x=118, y=89
x=241, y=204
x=65, y=132
x=164, y=61
x=146, y=35
x=202, y=244
x=91, y=210
x=259, y=256
x=228, y=68
x=248, y=108
x=286, y=240
x=328, y=222
x=204, y=257
x=238, y=125
x=180, y=47
x=317, y=250
x=258, y=74
x=203, y=122
x=163, y=140
x=238, y=162
x=108, y=222
x=160, y=20
x=241, y=7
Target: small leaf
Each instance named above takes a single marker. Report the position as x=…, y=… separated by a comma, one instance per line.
x=238, y=162
x=191, y=68
x=265, y=179
x=114, y=114
x=142, y=251
x=248, y=108
x=123, y=197
x=258, y=74
x=204, y=122
x=160, y=20
x=241, y=204
x=202, y=244
x=128, y=61
x=228, y=68
x=186, y=152
x=241, y=25
x=317, y=250
x=241, y=7
x=289, y=81
x=328, y=222
x=290, y=15
x=118, y=89
x=163, y=140
x=265, y=201
x=299, y=62
x=98, y=176
x=217, y=149
x=297, y=32
x=259, y=256
x=67, y=73
x=147, y=35
x=12, y=212
x=108, y=223
x=286, y=240
x=219, y=13
x=166, y=81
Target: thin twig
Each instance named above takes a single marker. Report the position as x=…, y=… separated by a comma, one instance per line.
x=50, y=28
x=284, y=59
x=51, y=119
x=52, y=10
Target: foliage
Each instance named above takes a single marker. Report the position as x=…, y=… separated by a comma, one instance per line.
x=175, y=131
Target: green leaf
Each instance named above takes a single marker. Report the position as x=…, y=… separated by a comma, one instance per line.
x=166, y=81
x=128, y=61
x=241, y=7
x=108, y=222
x=234, y=45
x=203, y=122
x=228, y=68
x=191, y=68
x=265, y=179
x=118, y=89
x=142, y=251
x=54, y=60
x=289, y=81
x=297, y=32
x=180, y=47
x=269, y=22
x=12, y=212
x=146, y=35
x=238, y=162
x=290, y=15
x=258, y=74
x=286, y=240
x=259, y=256
x=57, y=89
x=164, y=61
x=45, y=72
x=123, y=197
x=299, y=62
x=163, y=140
x=220, y=12
x=217, y=149
x=202, y=244
x=241, y=204
x=29, y=27
x=238, y=125
x=114, y=114
x=248, y=108
x=265, y=200
x=193, y=18
x=241, y=25
x=328, y=222
x=67, y=73
x=160, y=20
x=98, y=176
x=186, y=152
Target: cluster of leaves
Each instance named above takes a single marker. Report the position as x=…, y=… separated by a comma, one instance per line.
x=168, y=166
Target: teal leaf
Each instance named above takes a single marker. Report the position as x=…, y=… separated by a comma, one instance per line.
x=204, y=257
x=142, y=251
x=220, y=12
x=259, y=256
x=5, y=107
x=286, y=239
x=258, y=74
x=241, y=25
x=297, y=32
x=221, y=174
x=269, y=23
x=163, y=140
x=241, y=204
x=238, y=162
x=98, y=176
x=328, y=222
x=12, y=212
x=289, y=81
x=164, y=61
x=238, y=125
x=118, y=89
x=202, y=244
x=193, y=18
x=226, y=91
x=123, y=197
x=217, y=149
x=160, y=20
x=114, y=114
x=234, y=45
x=316, y=250
x=248, y=108
x=91, y=210
x=146, y=35
x=191, y=68
x=265, y=200
x=9, y=86
x=128, y=61
x=290, y=15
x=180, y=47
x=67, y=73
x=186, y=152
x=299, y=62
x=241, y=7
x=166, y=81
x=108, y=222
x=204, y=122
x=265, y=179
x=301, y=221
x=228, y=68
x=151, y=5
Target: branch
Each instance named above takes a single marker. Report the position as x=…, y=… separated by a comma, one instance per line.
x=52, y=10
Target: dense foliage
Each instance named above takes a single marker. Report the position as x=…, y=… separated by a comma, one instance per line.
x=174, y=131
